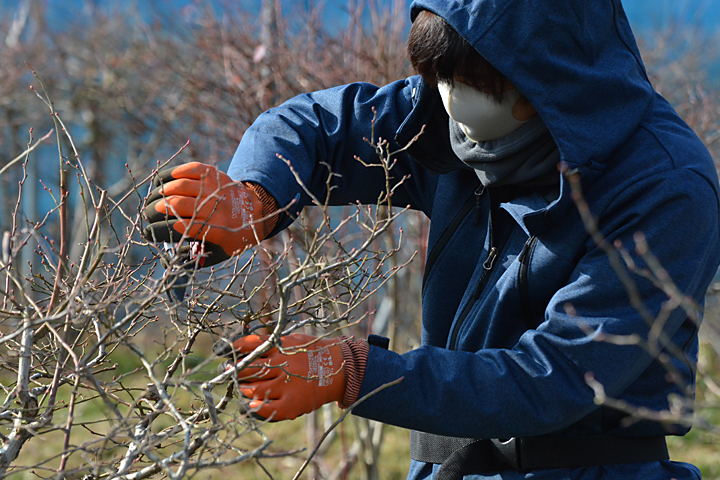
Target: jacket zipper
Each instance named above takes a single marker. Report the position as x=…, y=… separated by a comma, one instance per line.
x=488, y=266
x=524, y=259
x=478, y=193
x=473, y=201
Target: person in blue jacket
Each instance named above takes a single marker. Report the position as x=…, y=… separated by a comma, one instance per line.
x=523, y=314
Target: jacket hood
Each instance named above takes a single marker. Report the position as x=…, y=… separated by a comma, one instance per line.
x=576, y=61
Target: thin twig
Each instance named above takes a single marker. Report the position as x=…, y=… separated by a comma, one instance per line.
x=339, y=421
x=26, y=152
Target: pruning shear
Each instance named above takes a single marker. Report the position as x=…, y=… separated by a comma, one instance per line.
x=181, y=261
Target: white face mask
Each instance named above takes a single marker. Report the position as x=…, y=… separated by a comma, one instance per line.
x=478, y=114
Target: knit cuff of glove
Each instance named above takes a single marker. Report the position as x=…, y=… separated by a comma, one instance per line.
x=269, y=206
x=355, y=355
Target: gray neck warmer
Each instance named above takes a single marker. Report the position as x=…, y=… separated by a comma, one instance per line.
x=527, y=157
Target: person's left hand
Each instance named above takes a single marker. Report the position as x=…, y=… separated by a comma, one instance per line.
x=307, y=374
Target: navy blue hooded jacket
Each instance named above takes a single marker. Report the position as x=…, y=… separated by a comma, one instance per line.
x=481, y=372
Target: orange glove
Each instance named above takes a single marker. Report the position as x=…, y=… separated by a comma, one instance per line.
x=206, y=205
x=284, y=385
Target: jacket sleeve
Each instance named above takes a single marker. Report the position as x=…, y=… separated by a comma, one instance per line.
x=539, y=386
x=326, y=131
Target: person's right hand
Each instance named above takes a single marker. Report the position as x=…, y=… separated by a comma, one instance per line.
x=206, y=206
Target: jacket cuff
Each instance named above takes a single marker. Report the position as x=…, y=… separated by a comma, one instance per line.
x=355, y=355
x=269, y=206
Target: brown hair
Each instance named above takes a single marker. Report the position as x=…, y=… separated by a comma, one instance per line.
x=439, y=54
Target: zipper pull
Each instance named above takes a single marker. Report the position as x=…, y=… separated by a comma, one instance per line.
x=489, y=263
x=478, y=193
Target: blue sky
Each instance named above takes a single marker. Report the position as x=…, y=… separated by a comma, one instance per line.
x=643, y=14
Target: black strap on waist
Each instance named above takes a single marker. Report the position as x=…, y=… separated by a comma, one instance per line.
x=463, y=456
